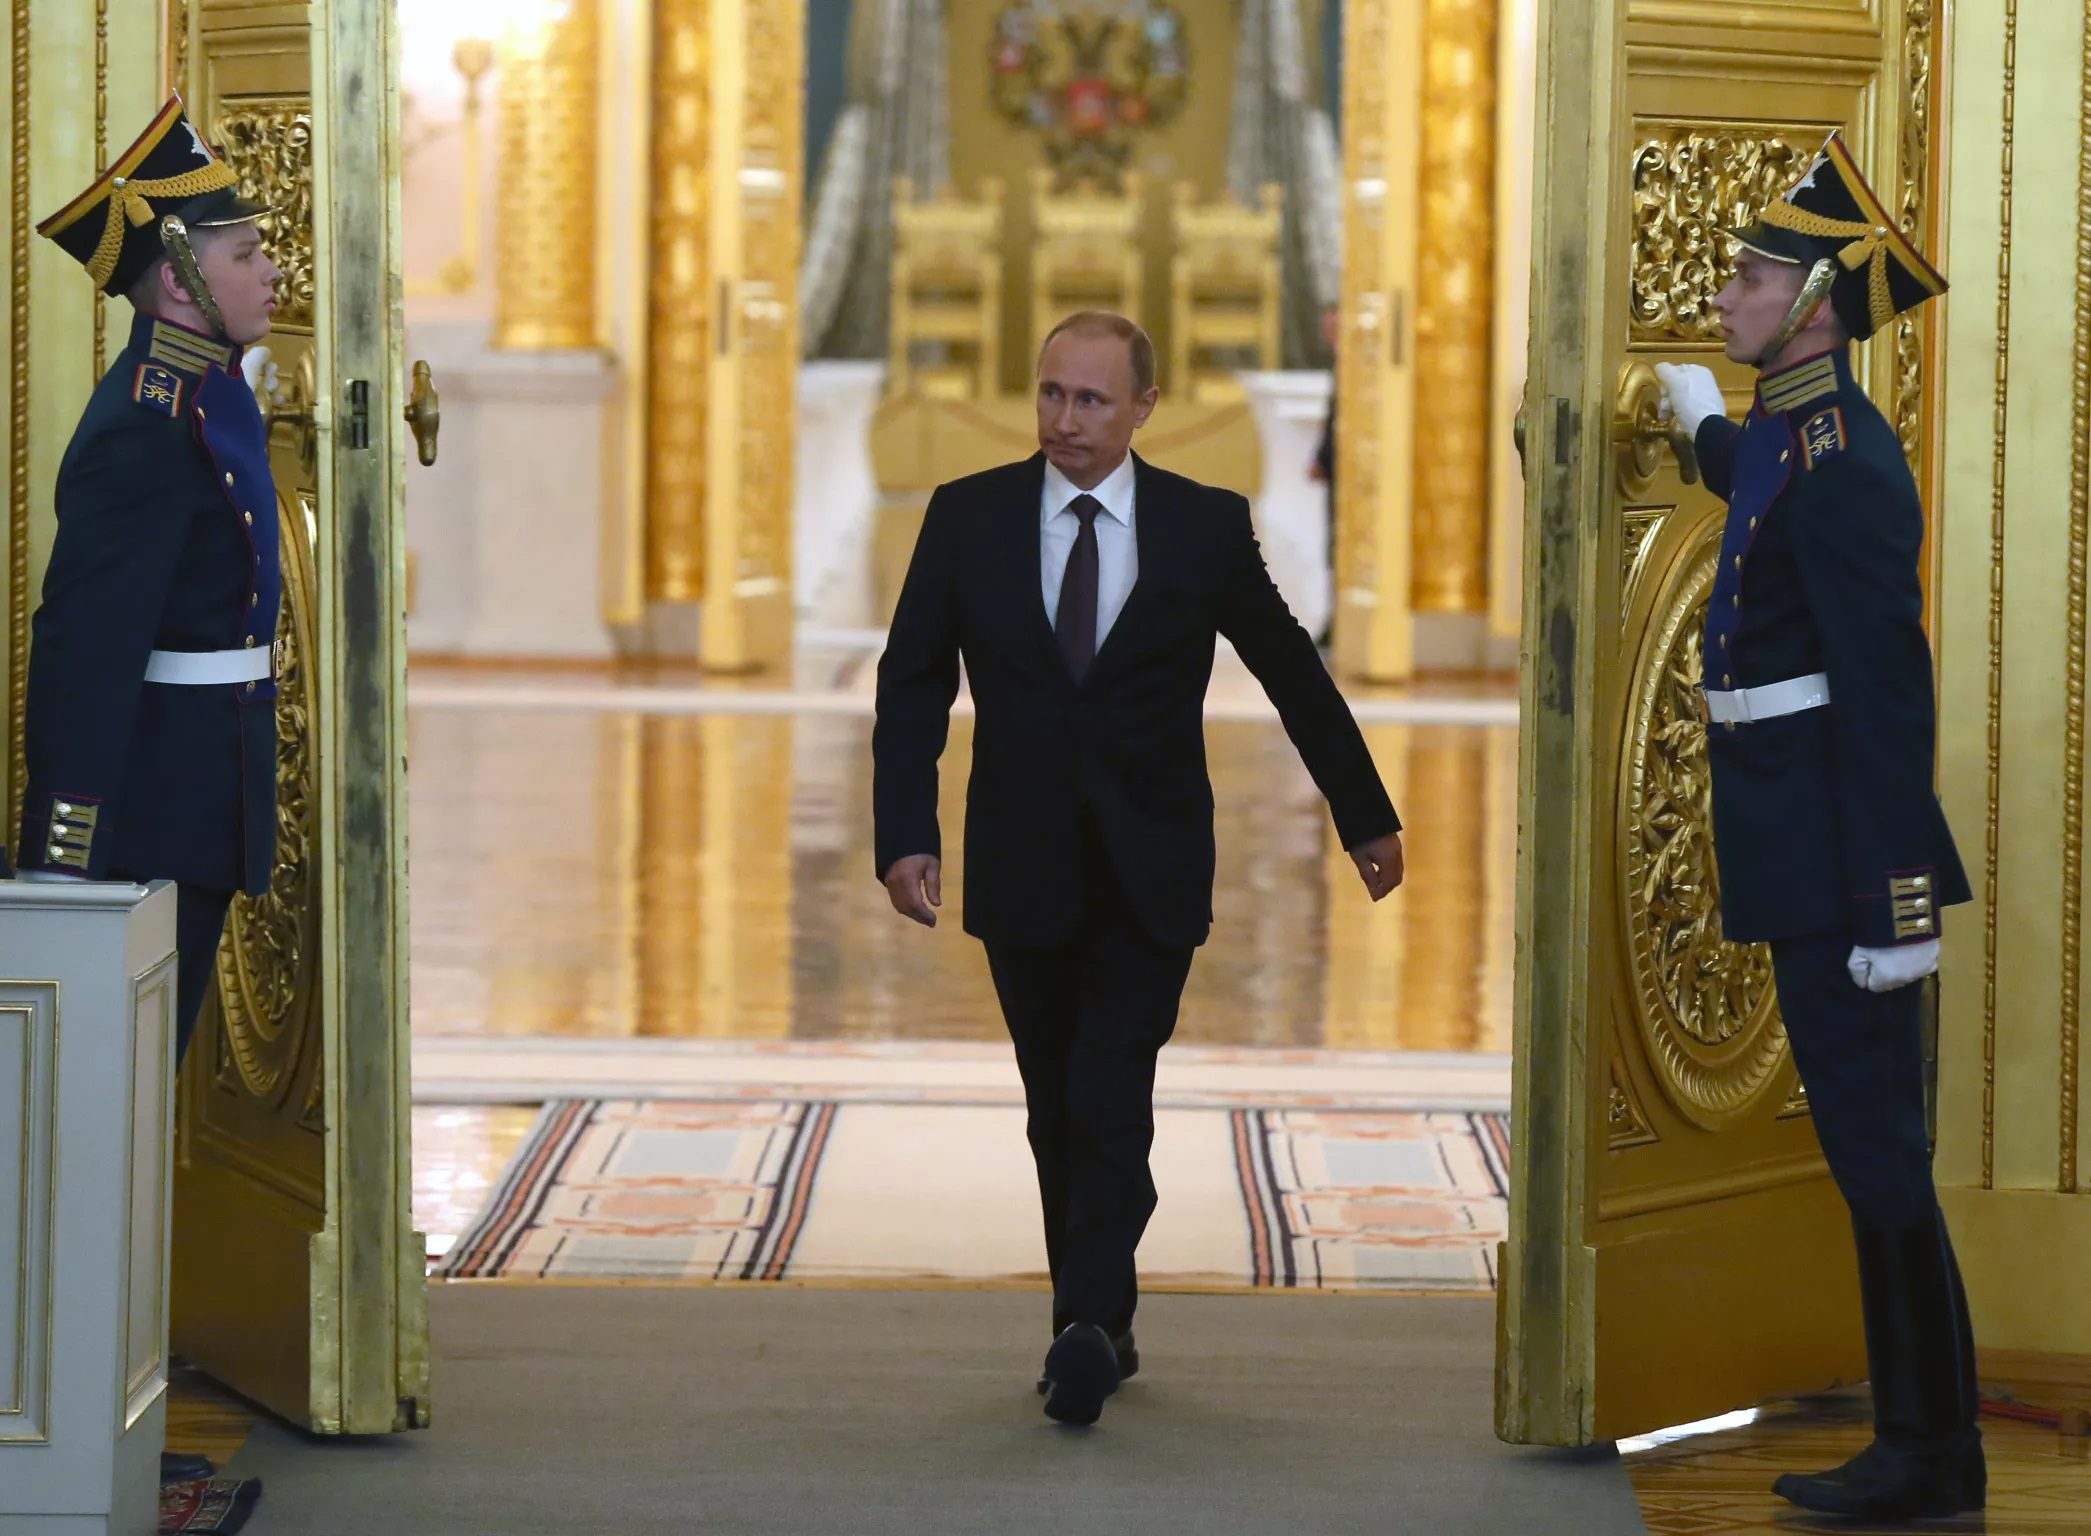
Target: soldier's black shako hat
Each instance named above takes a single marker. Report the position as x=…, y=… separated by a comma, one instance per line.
x=113, y=228
x=1832, y=212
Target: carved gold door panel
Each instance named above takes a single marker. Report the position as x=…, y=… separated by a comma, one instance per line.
x=1677, y=1247
x=297, y=1276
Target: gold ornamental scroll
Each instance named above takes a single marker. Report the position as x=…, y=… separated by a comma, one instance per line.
x=1454, y=306
x=545, y=241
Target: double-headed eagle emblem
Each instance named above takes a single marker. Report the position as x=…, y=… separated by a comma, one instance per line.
x=1088, y=76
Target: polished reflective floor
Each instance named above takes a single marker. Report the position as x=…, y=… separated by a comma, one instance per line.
x=605, y=872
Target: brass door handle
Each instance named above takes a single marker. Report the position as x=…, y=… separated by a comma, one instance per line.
x=1517, y=426
x=1640, y=432
x=425, y=413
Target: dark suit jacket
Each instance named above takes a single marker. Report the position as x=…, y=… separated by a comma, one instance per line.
x=1827, y=820
x=1126, y=747
x=167, y=539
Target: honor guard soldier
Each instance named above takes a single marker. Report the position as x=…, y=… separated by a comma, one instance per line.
x=151, y=733
x=1821, y=732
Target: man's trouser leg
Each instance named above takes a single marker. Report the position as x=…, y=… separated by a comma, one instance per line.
x=1088, y=1020
x=199, y=927
x=1860, y=1054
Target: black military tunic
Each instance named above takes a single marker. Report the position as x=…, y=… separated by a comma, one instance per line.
x=1824, y=820
x=167, y=541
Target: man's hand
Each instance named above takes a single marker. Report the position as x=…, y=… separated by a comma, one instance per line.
x=1690, y=394
x=1379, y=864
x=915, y=885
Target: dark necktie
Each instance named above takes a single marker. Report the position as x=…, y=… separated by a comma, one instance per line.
x=1075, y=624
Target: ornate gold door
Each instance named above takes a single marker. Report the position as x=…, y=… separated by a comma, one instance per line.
x=1677, y=1247
x=298, y=1278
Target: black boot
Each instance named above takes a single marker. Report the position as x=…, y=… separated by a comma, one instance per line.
x=181, y=1467
x=1926, y=1457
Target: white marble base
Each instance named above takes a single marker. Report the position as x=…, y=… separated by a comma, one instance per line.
x=835, y=496
x=86, y=1151
x=1292, y=508
x=506, y=529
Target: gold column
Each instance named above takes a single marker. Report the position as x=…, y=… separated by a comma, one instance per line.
x=545, y=246
x=1375, y=366
x=1454, y=298
x=680, y=322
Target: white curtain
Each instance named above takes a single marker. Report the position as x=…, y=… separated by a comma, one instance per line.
x=895, y=123
x=1280, y=134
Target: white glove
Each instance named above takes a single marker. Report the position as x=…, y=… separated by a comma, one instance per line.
x=1690, y=394
x=1883, y=970
x=258, y=368
x=45, y=876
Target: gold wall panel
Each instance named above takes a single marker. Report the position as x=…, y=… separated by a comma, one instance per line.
x=545, y=236
x=2014, y=597
x=1455, y=305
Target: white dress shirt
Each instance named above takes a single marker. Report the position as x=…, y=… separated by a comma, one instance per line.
x=1117, y=550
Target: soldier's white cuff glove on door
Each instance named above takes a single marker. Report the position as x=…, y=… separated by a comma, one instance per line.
x=1883, y=970
x=1690, y=394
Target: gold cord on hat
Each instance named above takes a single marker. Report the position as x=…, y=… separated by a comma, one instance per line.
x=1868, y=248
x=131, y=201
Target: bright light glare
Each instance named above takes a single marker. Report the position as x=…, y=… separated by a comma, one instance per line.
x=1670, y=1436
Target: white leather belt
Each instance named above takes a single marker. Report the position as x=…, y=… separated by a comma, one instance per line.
x=1745, y=705
x=201, y=668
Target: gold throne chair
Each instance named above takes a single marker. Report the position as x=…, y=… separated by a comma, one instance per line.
x=1085, y=252
x=1225, y=281
x=947, y=293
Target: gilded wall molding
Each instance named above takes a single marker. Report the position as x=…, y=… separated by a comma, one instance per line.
x=773, y=54
x=681, y=322
x=1919, y=51
x=1455, y=306
x=101, y=160
x=1993, y=840
x=18, y=422
x=1704, y=1006
x=2079, y=601
x=1690, y=183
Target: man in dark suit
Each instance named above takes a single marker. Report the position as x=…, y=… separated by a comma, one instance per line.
x=1821, y=732
x=1084, y=589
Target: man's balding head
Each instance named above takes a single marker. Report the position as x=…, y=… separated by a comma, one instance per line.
x=1095, y=389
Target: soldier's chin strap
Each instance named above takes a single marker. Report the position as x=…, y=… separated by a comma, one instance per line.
x=174, y=235
x=1821, y=278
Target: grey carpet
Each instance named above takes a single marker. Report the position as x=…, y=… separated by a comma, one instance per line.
x=753, y=1410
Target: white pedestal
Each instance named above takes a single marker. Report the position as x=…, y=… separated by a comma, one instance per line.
x=506, y=528
x=835, y=505
x=86, y=1112
x=1292, y=508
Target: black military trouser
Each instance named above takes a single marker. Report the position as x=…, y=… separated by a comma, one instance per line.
x=199, y=927
x=1860, y=1055
x=1088, y=1019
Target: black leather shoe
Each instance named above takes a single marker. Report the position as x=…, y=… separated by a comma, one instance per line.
x=1128, y=1362
x=1083, y=1370
x=179, y=1468
x=1879, y=1484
